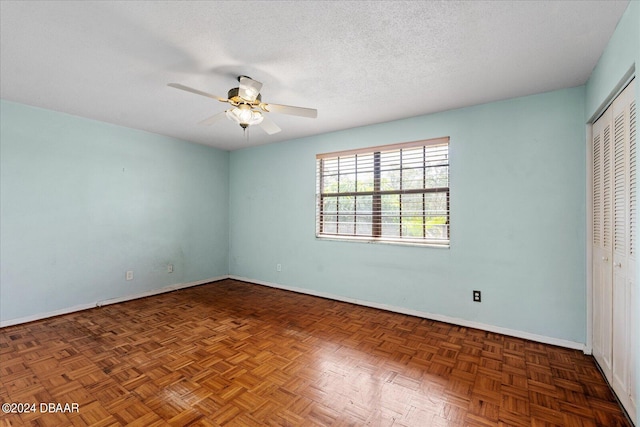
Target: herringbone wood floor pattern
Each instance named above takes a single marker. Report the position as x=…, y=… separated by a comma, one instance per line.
x=236, y=354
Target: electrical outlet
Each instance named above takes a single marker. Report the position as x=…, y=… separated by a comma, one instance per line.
x=477, y=296
x=129, y=275
x=278, y=267
x=170, y=268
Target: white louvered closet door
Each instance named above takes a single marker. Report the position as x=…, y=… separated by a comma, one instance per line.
x=602, y=242
x=634, y=342
x=615, y=246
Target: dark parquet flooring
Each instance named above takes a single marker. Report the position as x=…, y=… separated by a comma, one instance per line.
x=237, y=354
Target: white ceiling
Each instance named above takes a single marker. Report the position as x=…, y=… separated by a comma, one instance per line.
x=358, y=62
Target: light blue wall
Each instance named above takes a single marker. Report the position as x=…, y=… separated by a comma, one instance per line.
x=517, y=222
x=84, y=201
x=621, y=56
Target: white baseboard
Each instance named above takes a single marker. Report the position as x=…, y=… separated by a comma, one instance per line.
x=439, y=317
x=81, y=307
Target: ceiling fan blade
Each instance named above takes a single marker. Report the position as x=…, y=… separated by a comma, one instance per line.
x=269, y=126
x=312, y=113
x=196, y=91
x=249, y=88
x=213, y=119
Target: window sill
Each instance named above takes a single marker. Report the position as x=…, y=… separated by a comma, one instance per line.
x=383, y=241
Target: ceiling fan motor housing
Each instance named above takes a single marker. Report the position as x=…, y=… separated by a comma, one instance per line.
x=234, y=95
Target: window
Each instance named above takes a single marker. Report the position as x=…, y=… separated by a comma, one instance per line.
x=393, y=193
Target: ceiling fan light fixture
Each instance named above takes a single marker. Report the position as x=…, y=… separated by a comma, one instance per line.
x=247, y=107
x=245, y=116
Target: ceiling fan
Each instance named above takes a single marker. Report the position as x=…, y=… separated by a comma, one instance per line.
x=247, y=106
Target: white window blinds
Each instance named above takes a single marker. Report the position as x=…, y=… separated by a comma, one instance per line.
x=394, y=193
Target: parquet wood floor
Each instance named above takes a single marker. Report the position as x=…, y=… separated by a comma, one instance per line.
x=236, y=354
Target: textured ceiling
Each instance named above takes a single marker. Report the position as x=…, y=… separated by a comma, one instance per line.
x=357, y=62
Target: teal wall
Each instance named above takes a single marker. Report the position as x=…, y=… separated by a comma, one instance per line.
x=517, y=222
x=84, y=201
x=620, y=59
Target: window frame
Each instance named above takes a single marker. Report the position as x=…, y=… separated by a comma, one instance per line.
x=377, y=235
